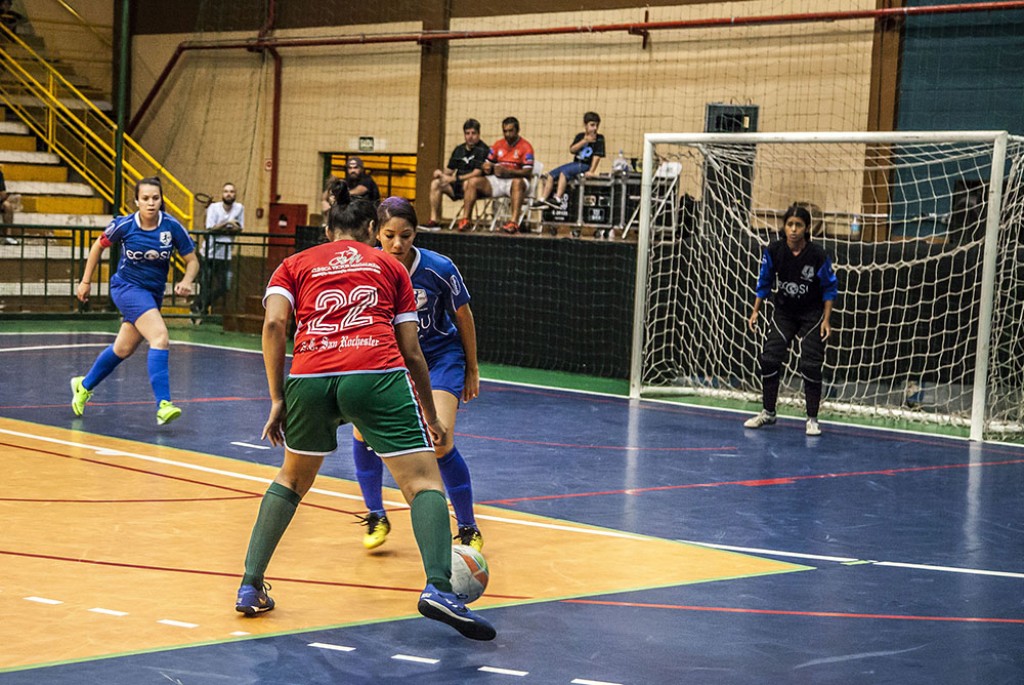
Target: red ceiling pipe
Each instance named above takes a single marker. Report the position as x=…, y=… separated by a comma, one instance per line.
x=636, y=28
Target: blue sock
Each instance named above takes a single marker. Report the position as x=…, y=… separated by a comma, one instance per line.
x=159, y=375
x=106, y=362
x=370, y=474
x=457, y=482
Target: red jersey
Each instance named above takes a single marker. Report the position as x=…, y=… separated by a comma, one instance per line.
x=347, y=298
x=513, y=156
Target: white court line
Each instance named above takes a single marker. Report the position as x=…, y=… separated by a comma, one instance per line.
x=584, y=681
x=239, y=633
x=950, y=569
x=177, y=624
x=51, y=347
x=773, y=552
x=108, y=612
x=502, y=671
x=255, y=447
x=416, y=659
x=846, y=560
x=336, y=648
x=242, y=476
x=42, y=600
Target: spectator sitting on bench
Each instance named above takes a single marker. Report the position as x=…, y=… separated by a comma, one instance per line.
x=588, y=148
x=466, y=162
x=509, y=167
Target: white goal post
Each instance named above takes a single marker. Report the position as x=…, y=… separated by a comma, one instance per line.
x=925, y=233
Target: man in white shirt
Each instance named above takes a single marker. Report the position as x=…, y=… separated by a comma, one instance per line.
x=224, y=219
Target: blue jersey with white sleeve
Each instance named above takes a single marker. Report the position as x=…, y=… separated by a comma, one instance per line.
x=440, y=291
x=146, y=253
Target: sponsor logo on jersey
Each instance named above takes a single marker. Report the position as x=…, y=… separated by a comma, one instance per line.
x=147, y=255
x=794, y=289
x=346, y=258
x=454, y=283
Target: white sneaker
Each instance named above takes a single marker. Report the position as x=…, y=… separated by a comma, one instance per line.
x=764, y=418
x=812, y=427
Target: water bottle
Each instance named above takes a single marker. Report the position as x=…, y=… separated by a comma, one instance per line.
x=855, y=227
x=621, y=164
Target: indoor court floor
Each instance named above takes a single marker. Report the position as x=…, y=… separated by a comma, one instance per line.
x=629, y=542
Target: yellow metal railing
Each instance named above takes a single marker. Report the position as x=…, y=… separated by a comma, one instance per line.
x=78, y=131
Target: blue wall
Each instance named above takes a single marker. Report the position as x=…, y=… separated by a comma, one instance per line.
x=962, y=72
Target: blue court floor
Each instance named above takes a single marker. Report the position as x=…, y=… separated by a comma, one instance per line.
x=910, y=547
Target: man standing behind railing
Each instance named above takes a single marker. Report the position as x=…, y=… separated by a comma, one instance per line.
x=7, y=202
x=224, y=219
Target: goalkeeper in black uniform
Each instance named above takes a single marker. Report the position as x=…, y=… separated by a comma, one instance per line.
x=803, y=304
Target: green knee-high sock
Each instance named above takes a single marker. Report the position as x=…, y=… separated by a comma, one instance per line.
x=276, y=511
x=433, y=533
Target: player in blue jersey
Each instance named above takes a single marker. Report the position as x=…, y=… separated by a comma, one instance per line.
x=148, y=239
x=448, y=340
x=803, y=300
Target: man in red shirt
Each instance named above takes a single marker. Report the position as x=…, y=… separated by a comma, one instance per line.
x=508, y=170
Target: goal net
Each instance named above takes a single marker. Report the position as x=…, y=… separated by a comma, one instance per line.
x=924, y=231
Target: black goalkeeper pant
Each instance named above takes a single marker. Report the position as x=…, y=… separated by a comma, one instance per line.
x=786, y=327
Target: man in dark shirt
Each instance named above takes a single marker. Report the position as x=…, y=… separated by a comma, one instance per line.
x=466, y=162
x=9, y=17
x=359, y=182
x=7, y=209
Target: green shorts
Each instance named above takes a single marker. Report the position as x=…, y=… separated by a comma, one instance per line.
x=381, y=405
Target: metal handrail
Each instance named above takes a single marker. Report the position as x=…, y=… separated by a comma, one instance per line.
x=81, y=20
x=86, y=142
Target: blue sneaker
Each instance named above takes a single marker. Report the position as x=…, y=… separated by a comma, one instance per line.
x=446, y=607
x=252, y=601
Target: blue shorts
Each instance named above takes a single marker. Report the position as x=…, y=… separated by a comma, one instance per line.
x=133, y=301
x=571, y=170
x=448, y=371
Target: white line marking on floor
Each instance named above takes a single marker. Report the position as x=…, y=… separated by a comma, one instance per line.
x=502, y=671
x=417, y=659
x=51, y=347
x=858, y=562
x=249, y=444
x=43, y=600
x=950, y=569
x=177, y=624
x=336, y=648
x=584, y=681
x=320, y=491
x=773, y=552
x=239, y=633
x=108, y=612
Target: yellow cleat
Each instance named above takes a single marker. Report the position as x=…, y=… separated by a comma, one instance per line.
x=166, y=413
x=79, y=395
x=470, y=535
x=377, y=529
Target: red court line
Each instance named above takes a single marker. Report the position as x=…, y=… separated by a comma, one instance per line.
x=816, y=614
x=786, y=480
x=123, y=501
x=222, y=574
x=627, y=448
x=192, y=481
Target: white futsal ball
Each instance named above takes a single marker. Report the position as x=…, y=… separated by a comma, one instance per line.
x=469, y=573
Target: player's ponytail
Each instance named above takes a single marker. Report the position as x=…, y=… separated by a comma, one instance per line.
x=349, y=216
